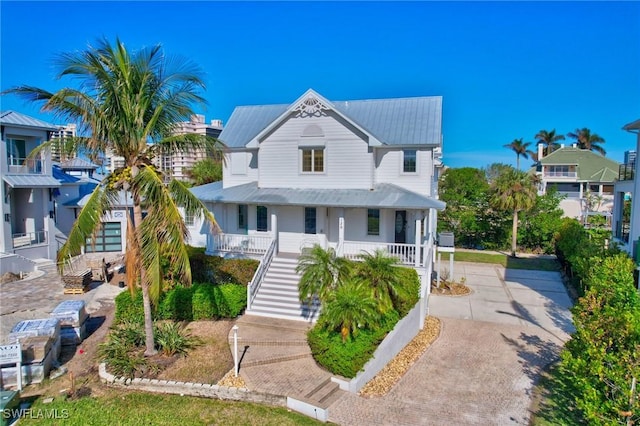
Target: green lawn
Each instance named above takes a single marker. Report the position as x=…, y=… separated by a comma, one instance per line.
x=136, y=408
x=505, y=260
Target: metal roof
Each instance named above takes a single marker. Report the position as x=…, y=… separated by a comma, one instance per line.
x=400, y=121
x=591, y=167
x=31, y=181
x=77, y=164
x=382, y=196
x=12, y=118
x=124, y=200
x=63, y=177
x=634, y=125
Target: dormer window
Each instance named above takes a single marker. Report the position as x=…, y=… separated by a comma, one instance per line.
x=409, y=161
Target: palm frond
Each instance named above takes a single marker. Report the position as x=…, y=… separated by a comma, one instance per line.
x=88, y=221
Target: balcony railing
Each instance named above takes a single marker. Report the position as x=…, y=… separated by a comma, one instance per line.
x=406, y=253
x=569, y=194
x=622, y=231
x=626, y=171
x=29, y=239
x=244, y=244
x=25, y=165
x=560, y=174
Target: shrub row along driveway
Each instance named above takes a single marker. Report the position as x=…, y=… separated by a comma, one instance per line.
x=482, y=369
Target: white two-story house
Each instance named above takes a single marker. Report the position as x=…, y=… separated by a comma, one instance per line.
x=28, y=184
x=351, y=175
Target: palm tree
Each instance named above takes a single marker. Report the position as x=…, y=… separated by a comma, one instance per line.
x=521, y=149
x=549, y=139
x=515, y=191
x=350, y=306
x=322, y=271
x=128, y=103
x=587, y=140
x=380, y=271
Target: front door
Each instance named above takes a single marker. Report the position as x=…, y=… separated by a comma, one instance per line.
x=401, y=226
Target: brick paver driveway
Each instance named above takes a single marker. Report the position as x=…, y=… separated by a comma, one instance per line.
x=482, y=369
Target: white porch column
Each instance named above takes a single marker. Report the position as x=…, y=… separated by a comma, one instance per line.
x=340, y=232
x=416, y=260
x=274, y=228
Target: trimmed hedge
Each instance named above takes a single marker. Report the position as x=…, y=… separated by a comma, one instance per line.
x=198, y=302
x=214, y=269
x=347, y=358
x=411, y=286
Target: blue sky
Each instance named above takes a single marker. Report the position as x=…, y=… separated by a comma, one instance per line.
x=505, y=69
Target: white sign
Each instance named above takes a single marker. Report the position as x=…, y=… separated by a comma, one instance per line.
x=10, y=354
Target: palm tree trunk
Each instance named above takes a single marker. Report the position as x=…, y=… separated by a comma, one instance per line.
x=518, y=161
x=150, y=346
x=514, y=231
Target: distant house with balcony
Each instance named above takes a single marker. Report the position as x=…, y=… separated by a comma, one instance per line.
x=28, y=186
x=583, y=177
x=42, y=198
x=626, y=210
x=355, y=176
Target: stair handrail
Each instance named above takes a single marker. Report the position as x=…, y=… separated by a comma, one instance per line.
x=254, y=285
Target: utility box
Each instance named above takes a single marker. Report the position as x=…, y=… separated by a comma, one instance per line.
x=445, y=239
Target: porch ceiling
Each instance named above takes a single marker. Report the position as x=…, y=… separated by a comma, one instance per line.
x=382, y=196
x=31, y=181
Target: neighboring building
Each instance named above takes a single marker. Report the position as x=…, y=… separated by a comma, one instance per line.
x=626, y=211
x=58, y=137
x=26, y=209
x=585, y=179
x=112, y=162
x=177, y=164
x=352, y=175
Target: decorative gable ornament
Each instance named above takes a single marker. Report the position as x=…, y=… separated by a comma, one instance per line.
x=311, y=106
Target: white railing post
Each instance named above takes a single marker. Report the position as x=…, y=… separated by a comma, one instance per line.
x=416, y=260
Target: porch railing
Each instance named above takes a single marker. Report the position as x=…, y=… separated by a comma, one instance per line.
x=258, y=276
x=25, y=165
x=29, y=239
x=245, y=244
x=406, y=253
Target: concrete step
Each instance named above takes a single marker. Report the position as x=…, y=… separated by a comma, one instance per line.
x=285, y=311
x=283, y=316
x=324, y=394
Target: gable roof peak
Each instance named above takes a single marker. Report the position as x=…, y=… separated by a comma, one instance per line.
x=311, y=103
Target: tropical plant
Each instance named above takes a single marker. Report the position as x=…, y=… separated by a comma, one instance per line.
x=602, y=359
x=379, y=271
x=521, y=149
x=172, y=338
x=514, y=191
x=205, y=171
x=587, y=140
x=549, y=139
x=128, y=103
x=349, y=307
x=321, y=272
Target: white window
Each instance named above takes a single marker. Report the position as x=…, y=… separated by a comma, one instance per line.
x=312, y=160
x=409, y=160
x=189, y=219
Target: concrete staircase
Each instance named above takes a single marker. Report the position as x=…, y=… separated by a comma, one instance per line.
x=278, y=294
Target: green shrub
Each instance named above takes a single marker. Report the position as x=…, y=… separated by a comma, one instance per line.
x=203, y=302
x=232, y=301
x=603, y=355
x=411, y=294
x=176, y=304
x=347, y=358
x=216, y=270
x=172, y=338
x=128, y=308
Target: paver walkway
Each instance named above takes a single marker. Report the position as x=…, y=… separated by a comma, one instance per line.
x=481, y=370
x=36, y=297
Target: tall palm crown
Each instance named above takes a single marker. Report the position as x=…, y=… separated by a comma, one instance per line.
x=521, y=149
x=380, y=271
x=514, y=191
x=321, y=271
x=587, y=140
x=129, y=104
x=549, y=139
